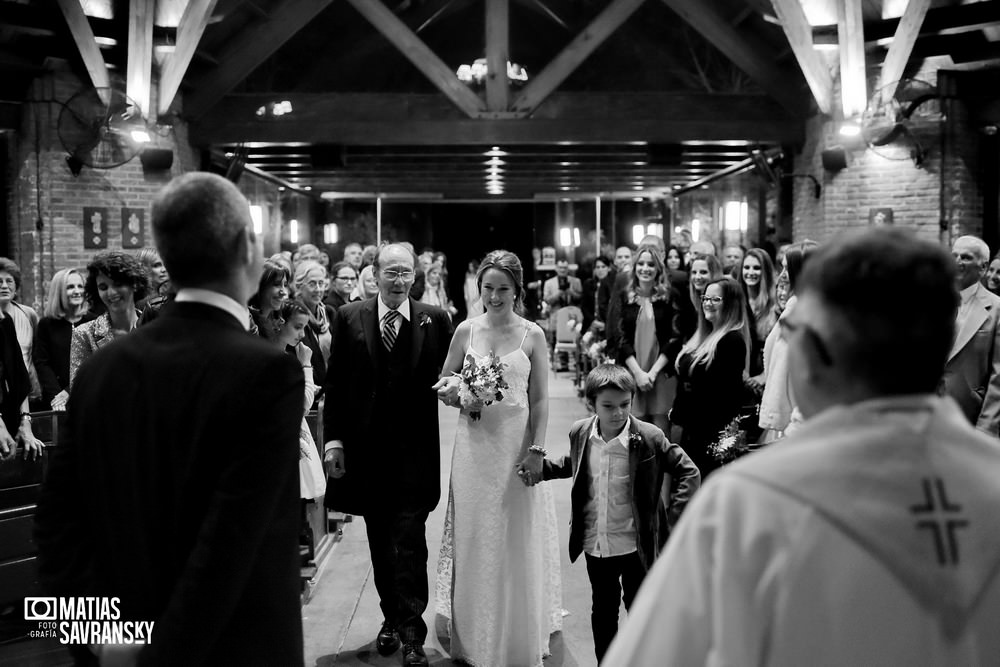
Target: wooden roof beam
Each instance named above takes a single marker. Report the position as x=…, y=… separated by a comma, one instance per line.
x=853, y=79
x=418, y=53
x=83, y=35
x=139, y=72
x=938, y=21
x=247, y=50
x=189, y=32
x=747, y=55
x=575, y=53
x=799, y=34
x=497, y=54
x=902, y=46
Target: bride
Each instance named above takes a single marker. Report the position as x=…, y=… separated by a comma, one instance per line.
x=498, y=572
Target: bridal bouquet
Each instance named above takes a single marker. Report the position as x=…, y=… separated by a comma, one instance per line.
x=481, y=384
x=731, y=443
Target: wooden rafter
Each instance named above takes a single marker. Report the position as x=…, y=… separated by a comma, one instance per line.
x=420, y=55
x=902, y=45
x=575, y=53
x=749, y=56
x=248, y=49
x=497, y=48
x=83, y=35
x=851, y=37
x=799, y=35
x=192, y=25
x=139, y=73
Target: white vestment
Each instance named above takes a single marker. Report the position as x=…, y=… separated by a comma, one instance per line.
x=870, y=537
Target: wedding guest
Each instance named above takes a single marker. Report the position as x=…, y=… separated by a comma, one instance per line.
x=65, y=309
x=597, y=294
x=307, y=253
x=868, y=537
x=367, y=283
x=492, y=622
x=435, y=293
x=15, y=417
x=675, y=259
x=704, y=269
x=174, y=485
x=24, y=317
x=383, y=441
x=156, y=273
x=711, y=368
x=619, y=519
x=993, y=275
x=115, y=280
x=272, y=291
x=343, y=280
x=310, y=286
x=471, y=289
x=353, y=255
x=623, y=259
x=293, y=320
x=649, y=340
x=732, y=255
x=756, y=278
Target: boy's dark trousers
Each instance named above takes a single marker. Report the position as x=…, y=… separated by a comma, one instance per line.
x=609, y=579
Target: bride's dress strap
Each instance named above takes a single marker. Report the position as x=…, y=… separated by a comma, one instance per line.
x=527, y=328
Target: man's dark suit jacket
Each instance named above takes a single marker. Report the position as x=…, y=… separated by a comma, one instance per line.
x=654, y=463
x=387, y=447
x=175, y=487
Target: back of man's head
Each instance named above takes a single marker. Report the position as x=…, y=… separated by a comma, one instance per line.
x=201, y=226
x=891, y=300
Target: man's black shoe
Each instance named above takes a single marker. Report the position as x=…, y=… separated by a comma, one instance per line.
x=387, y=641
x=413, y=655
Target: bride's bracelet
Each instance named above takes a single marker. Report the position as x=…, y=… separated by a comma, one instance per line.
x=537, y=449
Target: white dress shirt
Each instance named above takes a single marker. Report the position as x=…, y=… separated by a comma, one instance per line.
x=967, y=297
x=609, y=526
x=404, y=310
x=216, y=299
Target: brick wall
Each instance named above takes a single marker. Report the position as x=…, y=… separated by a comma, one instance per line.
x=46, y=216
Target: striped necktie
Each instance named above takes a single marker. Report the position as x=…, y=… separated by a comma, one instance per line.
x=389, y=329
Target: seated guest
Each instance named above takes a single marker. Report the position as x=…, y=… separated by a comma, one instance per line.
x=310, y=286
x=869, y=536
x=272, y=291
x=114, y=281
x=343, y=280
x=24, y=317
x=65, y=309
x=710, y=372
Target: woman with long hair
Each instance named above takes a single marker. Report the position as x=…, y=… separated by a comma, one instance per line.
x=649, y=341
x=674, y=259
x=65, y=309
x=756, y=277
x=310, y=286
x=115, y=282
x=703, y=270
x=367, y=285
x=435, y=293
x=497, y=528
x=711, y=368
x=272, y=291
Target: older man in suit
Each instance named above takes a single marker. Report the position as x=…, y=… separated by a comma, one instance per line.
x=174, y=486
x=383, y=443
x=972, y=374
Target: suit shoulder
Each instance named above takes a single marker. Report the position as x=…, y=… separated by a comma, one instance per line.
x=579, y=424
x=647, y=430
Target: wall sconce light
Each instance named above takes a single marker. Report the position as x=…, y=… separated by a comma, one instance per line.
x=565, y=237
x=293, y=231
x=695, y=229
x=735, y=215
x=331, y=234
x=638, y=231
x=654, y=229
x=257, y=215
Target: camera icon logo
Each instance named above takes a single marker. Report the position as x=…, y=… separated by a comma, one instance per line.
x=40, y=609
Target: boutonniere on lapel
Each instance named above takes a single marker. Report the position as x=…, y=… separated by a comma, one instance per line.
x=425, y=319
x=635, y=439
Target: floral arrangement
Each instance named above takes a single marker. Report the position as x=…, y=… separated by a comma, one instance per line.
x=481, y=383
x=594, y=345
x=731, y=443
x=425, y=319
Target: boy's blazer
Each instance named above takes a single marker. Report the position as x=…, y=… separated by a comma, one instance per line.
x=654, y=464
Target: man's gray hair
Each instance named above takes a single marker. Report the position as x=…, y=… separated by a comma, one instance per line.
x=982, y=249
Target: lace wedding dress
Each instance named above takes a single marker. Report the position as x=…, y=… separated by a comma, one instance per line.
x=498, y=573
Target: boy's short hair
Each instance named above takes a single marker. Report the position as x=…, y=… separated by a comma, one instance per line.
x=608, y=376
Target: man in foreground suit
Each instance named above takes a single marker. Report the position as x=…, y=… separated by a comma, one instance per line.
x=972, y=374
x=383, y=443
x=175, y=483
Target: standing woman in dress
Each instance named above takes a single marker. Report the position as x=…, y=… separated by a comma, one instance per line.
x=649, y=340
x=756, y=277
x=711, y=368
x=65, y=309
x=498, y=572
x=115, y=281
x=703, y=271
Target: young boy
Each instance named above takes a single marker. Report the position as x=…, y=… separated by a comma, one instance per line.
x=619, y=464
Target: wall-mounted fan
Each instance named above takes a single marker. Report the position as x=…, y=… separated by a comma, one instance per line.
x=900, y=124
x=96, y=127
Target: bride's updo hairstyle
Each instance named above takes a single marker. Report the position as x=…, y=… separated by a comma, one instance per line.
x=503, y=260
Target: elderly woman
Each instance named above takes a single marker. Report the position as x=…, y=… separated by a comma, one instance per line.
x=115, y=280
x=24, y=317
x=65, y=309
x=310, y=286
x=15, y=420
x=272, y=292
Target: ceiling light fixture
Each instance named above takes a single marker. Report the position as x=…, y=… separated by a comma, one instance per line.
x=476, y=73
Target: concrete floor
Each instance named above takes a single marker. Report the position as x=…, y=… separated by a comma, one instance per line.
x=342, y=618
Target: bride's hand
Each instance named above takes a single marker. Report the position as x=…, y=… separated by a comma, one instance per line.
x=530, y=469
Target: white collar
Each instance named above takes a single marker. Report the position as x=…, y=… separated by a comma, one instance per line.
x=404, y=308
x=969, y=292
x=216, y=299
x=622, y=437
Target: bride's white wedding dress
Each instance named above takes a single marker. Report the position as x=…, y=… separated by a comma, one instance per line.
x=498, y=572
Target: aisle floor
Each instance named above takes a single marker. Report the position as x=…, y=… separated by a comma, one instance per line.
x=342, y=618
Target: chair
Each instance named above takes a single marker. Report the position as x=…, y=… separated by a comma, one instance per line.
x=567, y=336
